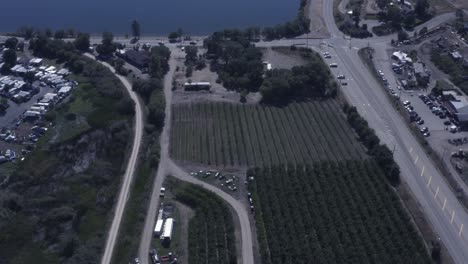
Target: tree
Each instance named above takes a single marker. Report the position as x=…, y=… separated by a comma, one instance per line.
x=423, y=31
x=394, y=16
x=459, y=14
x=48, y=33
x=135, y=29
x=29, y=77
x=59, y=34
x=26, y=32
x=189, y=71
x=70, y=32
x=118, y=65
x=276, y=89
x=179, y=33
x=145, y=87
x=156, y=108
x=107, y=47
x=409, y=21
x=421, y=8
x=107, y=38
x=191, y=54
x=82, y=42
x=9, y=58
x=173, y=37
x=402, y=35
x=11, y=43
x=356, y=16
x=159, y=61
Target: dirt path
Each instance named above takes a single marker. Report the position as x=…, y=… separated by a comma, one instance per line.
x=318, y=28
x=129, y=172
x=162, y=171
x=168, y=167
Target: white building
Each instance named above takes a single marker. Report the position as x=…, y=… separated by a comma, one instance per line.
x=167, y=231
x=401, y=57
x=158, y=227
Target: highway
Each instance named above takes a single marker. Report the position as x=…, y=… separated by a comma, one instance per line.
x=439, y=204
x=129, y=171
x=429, y=187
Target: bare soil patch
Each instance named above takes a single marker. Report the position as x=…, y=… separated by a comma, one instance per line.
x=283, y=58
x=314, y=11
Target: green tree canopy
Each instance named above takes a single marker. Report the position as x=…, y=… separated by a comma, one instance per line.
x=9, y=58
x=136, y=29
x=82, y=42
x=11, y=43
x=107, y=47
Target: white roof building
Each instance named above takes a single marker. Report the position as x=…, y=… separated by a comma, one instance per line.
x=158, y=227
x=64, y=90
x=167, y=232
x=401, y=56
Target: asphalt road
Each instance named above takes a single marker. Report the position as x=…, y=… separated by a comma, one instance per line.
x=129, y=172
x=437, y=200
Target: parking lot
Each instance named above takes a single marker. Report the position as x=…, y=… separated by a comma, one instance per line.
x=441, y=131
x=30, y=90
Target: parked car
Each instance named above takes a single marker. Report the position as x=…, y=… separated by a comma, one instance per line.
x=421, y=122
x=333, y=65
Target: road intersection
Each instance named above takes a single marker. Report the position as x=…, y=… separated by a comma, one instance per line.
x=440, y=205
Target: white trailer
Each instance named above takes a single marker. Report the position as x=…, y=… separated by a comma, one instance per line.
x=158, y=227
x=167, y=232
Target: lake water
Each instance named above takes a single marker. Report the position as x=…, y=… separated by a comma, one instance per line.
x=154, y=16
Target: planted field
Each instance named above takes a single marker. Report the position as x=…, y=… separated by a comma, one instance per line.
x=332, y=212
x=211, y=231
x=224, y=134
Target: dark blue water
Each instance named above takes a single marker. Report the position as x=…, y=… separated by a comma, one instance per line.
x=154, y=16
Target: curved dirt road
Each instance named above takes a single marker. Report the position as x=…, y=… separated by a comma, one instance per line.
x=168, y=167
x=129, y=172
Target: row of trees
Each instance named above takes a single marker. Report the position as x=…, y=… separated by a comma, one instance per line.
x=211, y=231
x=300, y=25
x=223, y=134
x=28, y=32
x=381, y=153
x=331, y=212
x=313, y=80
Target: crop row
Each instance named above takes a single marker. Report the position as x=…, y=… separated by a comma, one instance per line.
x=332, y=212
x=211, y=231
x=224, y=134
